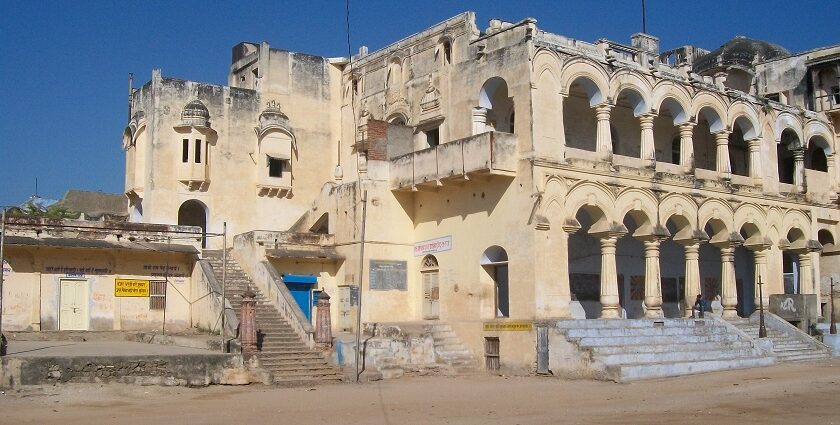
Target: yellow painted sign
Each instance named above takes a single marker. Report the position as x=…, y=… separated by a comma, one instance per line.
x=131, y=288
x=508, y=326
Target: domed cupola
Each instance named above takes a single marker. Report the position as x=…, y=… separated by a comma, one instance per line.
x=195, y=114
x=740, y=52
x=273, y=118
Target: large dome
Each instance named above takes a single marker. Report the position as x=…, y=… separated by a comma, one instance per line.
x=739, y=52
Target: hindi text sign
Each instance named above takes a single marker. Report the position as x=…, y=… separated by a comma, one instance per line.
x=131, y=288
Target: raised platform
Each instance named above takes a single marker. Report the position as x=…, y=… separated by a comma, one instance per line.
x=49, y=362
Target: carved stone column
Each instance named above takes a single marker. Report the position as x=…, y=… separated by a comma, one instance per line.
x=687, y=147
x=760, y=262
x=692, y=274
x=724, y=169
x=799, y=169
x=604, y=137
x=653, y=280
x=479, y=120
x=609, y=275
x=729, y=294
x=648, y=149
x=832, y=176
x=806, y=274
x=755, y=160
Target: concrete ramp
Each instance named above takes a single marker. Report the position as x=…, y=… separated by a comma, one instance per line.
x=626, y=350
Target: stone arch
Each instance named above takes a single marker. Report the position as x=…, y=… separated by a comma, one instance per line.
x=399, y=117
x=788, y=121
x=680, y=101
x=642, y=207
x=547, y=107
x=796, y=219
x=825, y=237
x=711, y=108
x=814, y=128
x=193, y=212
x=546, y=60
x=494, y=99
x=592, y=77
x=595, y=199
x=639, y=91
x=720, y=215
x=752, y=218
x=746, y=116
x=679, y=205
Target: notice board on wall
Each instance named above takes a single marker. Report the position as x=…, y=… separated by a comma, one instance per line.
x=388, y=275
x=131, y=288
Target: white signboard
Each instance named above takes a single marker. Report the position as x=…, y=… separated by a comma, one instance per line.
x=432, y=246
x=7, y=269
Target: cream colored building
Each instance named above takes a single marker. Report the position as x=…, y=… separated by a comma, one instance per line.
x=508, y=174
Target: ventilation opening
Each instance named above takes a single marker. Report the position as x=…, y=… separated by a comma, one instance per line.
x=491, y=353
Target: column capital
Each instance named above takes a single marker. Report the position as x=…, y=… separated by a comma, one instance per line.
x=722, y=137
x=602, y=111
x=798, y=153
x=646, y=119
x=754, y=143
x=609, y=235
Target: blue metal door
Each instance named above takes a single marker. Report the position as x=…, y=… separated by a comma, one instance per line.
x=301, y=288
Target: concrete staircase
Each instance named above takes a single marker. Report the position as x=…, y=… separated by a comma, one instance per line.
x=281, y=350
x=626, y=350
x=786, y=347
x=450, y=350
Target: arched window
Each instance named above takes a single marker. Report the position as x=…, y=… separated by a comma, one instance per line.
x=194, y=213
x=815, y=158
x=429, y=271
x=825, y=237
x=784, y=152
x=495, y=262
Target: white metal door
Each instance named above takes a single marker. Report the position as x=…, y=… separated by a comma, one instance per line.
x=431, y=295
x=72, y=315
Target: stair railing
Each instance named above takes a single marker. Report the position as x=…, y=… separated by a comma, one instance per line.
x=271, y=284
x=777, y=323
x=207, y=309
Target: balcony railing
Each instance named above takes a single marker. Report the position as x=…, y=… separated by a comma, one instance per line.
x=827, y=102
x=491, y=153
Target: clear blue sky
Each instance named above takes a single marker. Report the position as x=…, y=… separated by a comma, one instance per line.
x=64, y=65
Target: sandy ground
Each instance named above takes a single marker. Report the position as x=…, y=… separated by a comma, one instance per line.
x=786, y=394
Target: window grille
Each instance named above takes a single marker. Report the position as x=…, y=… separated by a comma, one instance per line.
x=157, y=295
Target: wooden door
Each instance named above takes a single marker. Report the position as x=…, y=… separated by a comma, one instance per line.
x=73, y=311
x=431, y=295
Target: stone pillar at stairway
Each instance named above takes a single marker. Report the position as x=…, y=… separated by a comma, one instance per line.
x=323, y=329
x=729, y=296
x=248, y=323
x=609, y=282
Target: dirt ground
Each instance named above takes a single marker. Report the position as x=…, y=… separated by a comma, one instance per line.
x=785, y=394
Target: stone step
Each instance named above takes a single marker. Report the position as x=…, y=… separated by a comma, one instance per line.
x=610, y=332
x=628, y=372
x=634, y=323
x=291, y=355
x=676, y=356
x=802, y=357
x=666, y=348
x=287, y=364
x=293, y=382
x=653, y=339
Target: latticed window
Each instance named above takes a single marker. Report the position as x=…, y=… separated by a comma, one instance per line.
x=157, y=295
x=429, y=263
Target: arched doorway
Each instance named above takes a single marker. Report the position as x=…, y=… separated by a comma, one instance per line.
x=429, y=272
x=194, y=213
x=495, y=262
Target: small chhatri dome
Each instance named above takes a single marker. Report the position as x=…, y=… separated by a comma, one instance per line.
x=196, y=114
x=741, y=52
x=272, y=118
